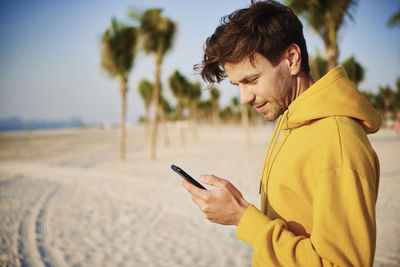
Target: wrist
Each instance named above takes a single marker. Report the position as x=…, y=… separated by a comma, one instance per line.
x=243, y=207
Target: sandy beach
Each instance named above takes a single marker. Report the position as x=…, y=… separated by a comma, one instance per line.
x=67, y=200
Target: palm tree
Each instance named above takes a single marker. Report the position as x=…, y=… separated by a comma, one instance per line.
x=318, y=66
x=193, y=95
x=165, y=107
x=394, y=20
x=354, y=70
x=214, y=97
x=119, y=44
x=244, y=116
x=164, y=114
x=235, y=107
x=179, y=87
x=370, y=97
x=226, y=114
x=145, y=90
x=158, y=33
x=326, y=18
x=205, y=110
x=385, y=101
x=397, y=100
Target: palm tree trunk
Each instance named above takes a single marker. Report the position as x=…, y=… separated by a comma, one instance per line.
x=181, y=122
x=179, y=114
x=331, y=48
x=194, y=119
x=122, y=144
x=156, y=106
x=146, y=121
x=215, y=114
x=246, y=124
x=164, y=123
x=332, y=57
x=182, y=132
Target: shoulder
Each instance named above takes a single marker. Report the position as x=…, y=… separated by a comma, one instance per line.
x=341, y=142
x=337, y=130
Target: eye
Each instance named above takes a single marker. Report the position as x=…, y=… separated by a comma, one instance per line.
x=254, y=81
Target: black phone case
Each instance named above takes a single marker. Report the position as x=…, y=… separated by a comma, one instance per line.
x=186, y=176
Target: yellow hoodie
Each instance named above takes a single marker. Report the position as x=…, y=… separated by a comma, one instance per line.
x=319, y=182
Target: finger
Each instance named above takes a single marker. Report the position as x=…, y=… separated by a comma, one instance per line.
x=192, y=189
x=237, y=194
x=221, y=184
x=214, y=181
x=197, y=197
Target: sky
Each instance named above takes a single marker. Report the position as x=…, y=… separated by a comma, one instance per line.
x=50, y=53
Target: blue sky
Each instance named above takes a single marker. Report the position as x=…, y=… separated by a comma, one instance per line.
x=50, y=53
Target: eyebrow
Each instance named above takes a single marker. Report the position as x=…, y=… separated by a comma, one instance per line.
x=247, y=78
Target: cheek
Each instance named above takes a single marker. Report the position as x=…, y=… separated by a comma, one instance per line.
x=283, y=84
x=264, y=89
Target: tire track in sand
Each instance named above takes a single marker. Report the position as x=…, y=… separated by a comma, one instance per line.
x=33, y=245
x=6, y=183
x=7, y=217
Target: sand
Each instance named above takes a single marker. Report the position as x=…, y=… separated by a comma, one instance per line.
x=67, y=200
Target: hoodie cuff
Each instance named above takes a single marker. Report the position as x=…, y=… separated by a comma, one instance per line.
x=250, y=225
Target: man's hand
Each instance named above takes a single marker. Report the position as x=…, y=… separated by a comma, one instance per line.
x=223, y=205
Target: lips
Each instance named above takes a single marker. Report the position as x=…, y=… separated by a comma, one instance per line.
x=260, y=107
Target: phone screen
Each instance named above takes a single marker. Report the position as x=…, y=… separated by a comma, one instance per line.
x=186, y=176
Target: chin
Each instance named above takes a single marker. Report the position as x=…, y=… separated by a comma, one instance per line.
x=271, y=116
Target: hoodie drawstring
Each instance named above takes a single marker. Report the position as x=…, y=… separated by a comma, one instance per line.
x=271, y=147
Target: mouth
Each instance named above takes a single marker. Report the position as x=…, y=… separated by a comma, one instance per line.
x=260, y=107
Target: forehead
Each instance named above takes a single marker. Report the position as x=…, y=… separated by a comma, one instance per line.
x=246, y=67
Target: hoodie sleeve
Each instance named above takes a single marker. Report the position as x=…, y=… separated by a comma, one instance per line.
x=343, y=231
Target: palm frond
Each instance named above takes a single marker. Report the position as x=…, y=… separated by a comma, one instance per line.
x=119, y=48
x=394, y=20
x=145, y=90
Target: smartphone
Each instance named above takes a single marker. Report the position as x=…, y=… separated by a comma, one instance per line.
x=186, y=176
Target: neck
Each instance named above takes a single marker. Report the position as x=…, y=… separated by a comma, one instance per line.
x=303, y=82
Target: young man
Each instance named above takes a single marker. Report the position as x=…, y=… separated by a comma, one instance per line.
x=319, y=182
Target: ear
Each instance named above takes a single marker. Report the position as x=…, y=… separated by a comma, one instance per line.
x=293, y=59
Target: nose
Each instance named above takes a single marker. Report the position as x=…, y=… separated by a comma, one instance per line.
x=246, y=96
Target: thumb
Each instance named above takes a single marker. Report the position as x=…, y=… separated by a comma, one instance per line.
x=213, y=180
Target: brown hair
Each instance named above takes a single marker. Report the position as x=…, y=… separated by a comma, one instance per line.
x=266, y=27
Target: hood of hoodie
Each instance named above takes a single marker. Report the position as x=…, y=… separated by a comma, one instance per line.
x=332, y=95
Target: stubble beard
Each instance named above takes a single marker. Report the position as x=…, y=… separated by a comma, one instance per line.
x=272, y=115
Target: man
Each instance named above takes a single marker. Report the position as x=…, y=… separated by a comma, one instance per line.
x=320, y=180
